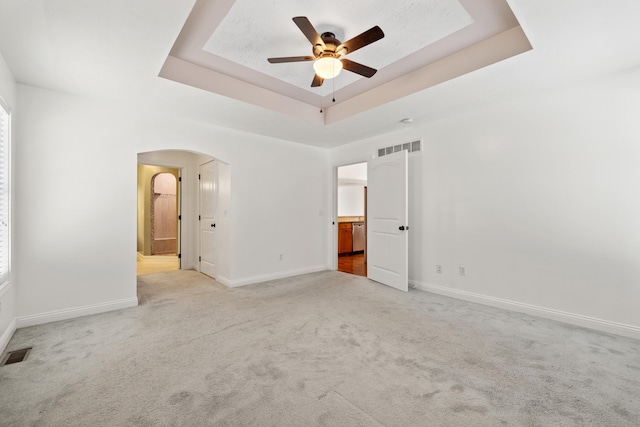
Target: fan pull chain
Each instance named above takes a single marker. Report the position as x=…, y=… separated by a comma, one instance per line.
x=321, y=98
x=333, y=83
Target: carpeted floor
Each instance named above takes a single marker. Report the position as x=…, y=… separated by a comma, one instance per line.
x=321, y=349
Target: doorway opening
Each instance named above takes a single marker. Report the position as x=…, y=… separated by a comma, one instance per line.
x=352, y=219
x=158, y=244
x=197, y=213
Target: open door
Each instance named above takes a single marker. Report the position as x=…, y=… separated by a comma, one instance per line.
x=208, y=210
x=387, y=238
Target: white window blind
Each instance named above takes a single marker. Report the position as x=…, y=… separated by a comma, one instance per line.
x=4, y=194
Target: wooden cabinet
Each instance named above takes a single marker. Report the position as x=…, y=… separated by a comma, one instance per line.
x=345, y=238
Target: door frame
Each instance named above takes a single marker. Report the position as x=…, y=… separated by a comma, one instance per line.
x=187, y=162
x=333, y=255
x=333, y=221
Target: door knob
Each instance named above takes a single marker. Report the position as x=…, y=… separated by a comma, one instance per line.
x=213, y=225
x=401, y=228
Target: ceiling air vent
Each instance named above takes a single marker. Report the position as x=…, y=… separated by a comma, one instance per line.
x=411, y=147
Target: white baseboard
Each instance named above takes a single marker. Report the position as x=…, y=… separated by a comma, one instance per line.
x=223, y=280
x=280, y=275
x=156, y=258
x=54, y=316
x=6, y=336
x=629, y=331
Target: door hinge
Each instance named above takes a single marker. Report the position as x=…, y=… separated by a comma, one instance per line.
x=199, y=218
x=198, y=176
x=179, y=217
x=179, y=179
x=179, y=256
x=199, y=259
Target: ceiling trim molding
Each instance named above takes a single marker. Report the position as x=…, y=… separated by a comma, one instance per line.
x=194, y=75
x=490, y=51
x=493, y=36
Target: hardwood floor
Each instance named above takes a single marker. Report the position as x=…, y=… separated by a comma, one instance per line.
x=156, y=264
x=353, y=264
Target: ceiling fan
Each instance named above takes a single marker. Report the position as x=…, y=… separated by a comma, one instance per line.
x=328, y=52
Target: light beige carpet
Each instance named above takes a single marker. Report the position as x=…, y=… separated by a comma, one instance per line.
x=321, y=349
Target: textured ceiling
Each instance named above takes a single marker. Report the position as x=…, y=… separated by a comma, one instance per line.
x=253, y=31
x=224, y=45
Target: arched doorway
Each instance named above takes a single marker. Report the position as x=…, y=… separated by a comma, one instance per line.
x=192, y=251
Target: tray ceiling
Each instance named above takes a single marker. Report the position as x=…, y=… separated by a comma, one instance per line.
x=252, y=31
x=224, y=45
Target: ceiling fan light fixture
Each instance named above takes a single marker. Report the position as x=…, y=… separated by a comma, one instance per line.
x=327, y=67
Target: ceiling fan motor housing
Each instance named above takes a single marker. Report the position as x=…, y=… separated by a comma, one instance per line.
x=330, y=46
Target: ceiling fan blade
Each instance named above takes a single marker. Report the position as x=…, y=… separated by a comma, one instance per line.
x=368, y=37
x=357, y=68
x=290, y=59
x=317, y=81
x=307, y=29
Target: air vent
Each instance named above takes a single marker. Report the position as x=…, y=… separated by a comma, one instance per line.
x=409, y=146
x=15, y=356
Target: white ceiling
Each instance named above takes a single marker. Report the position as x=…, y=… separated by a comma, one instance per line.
x=116, y=49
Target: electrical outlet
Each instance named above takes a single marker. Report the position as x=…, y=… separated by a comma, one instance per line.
x=462, y=271
x=439, y=269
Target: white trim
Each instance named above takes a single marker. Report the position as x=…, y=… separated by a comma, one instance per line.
x=8, y=176
x=70, y=313
x=157, y=258
x=5, y=105
x=223, y=280
x=4, y=287
x=629, y=331
x=267, y=277
x=6, y=337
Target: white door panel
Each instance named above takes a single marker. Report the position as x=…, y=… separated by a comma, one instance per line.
x=208, y=209
x=387, y=240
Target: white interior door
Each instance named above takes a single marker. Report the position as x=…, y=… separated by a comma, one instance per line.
x=208, y=209
x=387, y=240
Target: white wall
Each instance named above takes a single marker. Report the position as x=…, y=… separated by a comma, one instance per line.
x=7, y=293
x=537, y=198
x=76, y=178
x=223, y=234
x=350, y=200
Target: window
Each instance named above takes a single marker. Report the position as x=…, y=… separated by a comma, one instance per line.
x=4, y=193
